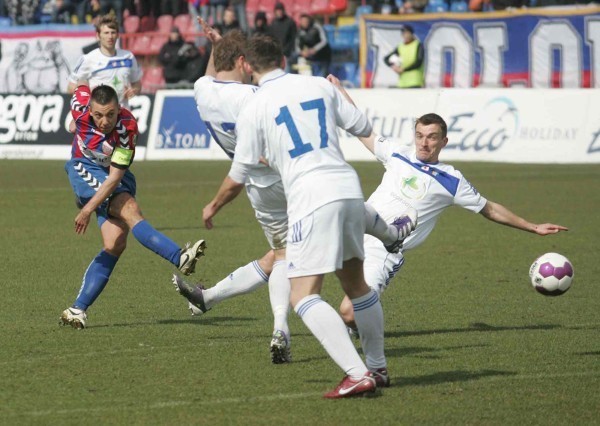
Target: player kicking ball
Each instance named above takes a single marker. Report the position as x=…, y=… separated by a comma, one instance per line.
x=103, y=149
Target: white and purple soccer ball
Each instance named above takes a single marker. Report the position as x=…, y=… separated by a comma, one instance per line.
x=551, y=274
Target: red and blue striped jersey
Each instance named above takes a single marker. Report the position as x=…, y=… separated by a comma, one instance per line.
x=116, y=148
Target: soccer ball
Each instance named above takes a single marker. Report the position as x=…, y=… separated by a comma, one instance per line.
x=395, y=60
x=551, y=274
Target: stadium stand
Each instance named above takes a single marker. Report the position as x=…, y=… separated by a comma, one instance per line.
x=131, y=24
x=182, y=22
x=140, y=46
x=153, y=79
x=164, y=23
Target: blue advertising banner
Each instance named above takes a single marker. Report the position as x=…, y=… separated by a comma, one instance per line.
x=525, y=48
x=177, y=132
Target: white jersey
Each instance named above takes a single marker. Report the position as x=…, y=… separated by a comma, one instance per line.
x=219, y=104
x=429, y=188
x=292, y=121
x=117, y=71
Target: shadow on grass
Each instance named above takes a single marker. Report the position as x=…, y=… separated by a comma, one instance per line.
x=592, y=353
x=188, y=228
x=419, y=351
x=449, y=377
x=475, y=327
x=210, y=321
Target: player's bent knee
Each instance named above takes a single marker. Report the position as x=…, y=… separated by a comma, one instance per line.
x=347, y=312
x=116, y=247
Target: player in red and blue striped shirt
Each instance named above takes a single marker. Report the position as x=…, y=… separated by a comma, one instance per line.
x=103, y=149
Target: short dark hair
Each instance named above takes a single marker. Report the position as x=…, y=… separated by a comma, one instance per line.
x=228, y=50
x=110, y=21
x=264, y=53
x=104, y=95
x=432, y=118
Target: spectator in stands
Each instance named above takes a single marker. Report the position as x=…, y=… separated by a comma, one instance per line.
x=181, y=60
x=260, y=24
x=230, y=21
x=240, y=11
x=64, y=10
x=22, y=12
x=312, y=45
x=413, y=6
x=172, y=62
x=283, y=28
x=116, y=6
x=217, y=8
x=407, y=60
x=171, y=7
x=150, y=7
x=198, y=8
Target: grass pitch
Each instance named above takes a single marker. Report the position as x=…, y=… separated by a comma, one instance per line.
x=468, y=340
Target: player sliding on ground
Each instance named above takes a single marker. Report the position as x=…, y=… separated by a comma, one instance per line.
x=220, y=95
x=103, y=149
x=415, y=175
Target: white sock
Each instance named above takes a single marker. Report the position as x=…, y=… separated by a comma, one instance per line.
x=327, y=326
x=368, y=316
x=279, y=294
x=376, y=226
x=241, y=281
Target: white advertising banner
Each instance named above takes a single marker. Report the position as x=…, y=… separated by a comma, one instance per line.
x=498, y=125
x=40, y=61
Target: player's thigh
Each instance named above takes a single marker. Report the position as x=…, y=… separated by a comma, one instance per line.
x=318, y=243
x=380, y=266
x=85, y=179
x=270, y=207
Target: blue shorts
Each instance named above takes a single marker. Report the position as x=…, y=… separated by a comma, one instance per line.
x=86, y=177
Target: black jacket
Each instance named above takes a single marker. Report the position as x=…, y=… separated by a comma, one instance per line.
x=284, y=30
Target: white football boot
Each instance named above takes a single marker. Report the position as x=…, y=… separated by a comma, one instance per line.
x=74, y=317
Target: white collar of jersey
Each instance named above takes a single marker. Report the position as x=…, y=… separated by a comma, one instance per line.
x=271, y=75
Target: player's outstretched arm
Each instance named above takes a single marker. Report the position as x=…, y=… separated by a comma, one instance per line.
x=227, y=192
x=368, y=141
x=500, y=214
x=82, y=219
x=214, y=37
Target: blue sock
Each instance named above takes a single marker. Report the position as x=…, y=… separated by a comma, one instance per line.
x=95, y=279
x=157, y=242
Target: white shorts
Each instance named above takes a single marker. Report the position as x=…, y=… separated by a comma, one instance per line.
x=270, y=208
x=380, y=266
x=320, y=242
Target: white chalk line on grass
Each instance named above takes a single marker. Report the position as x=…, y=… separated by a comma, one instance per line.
x=171, y=404
x=265, y=398
x=141, y=350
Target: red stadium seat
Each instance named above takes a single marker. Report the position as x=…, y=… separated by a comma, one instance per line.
x=157, y=43
x=131, y=24
x=140, y=46
x=153, y=79
x=267, y=6
x=164, y=23
x=148, y=23
x=300, y=7
x=326, y=7
x=251, y=9
x=182, y=22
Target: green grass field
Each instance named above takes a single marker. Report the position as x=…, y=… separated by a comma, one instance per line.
x=468, y=340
